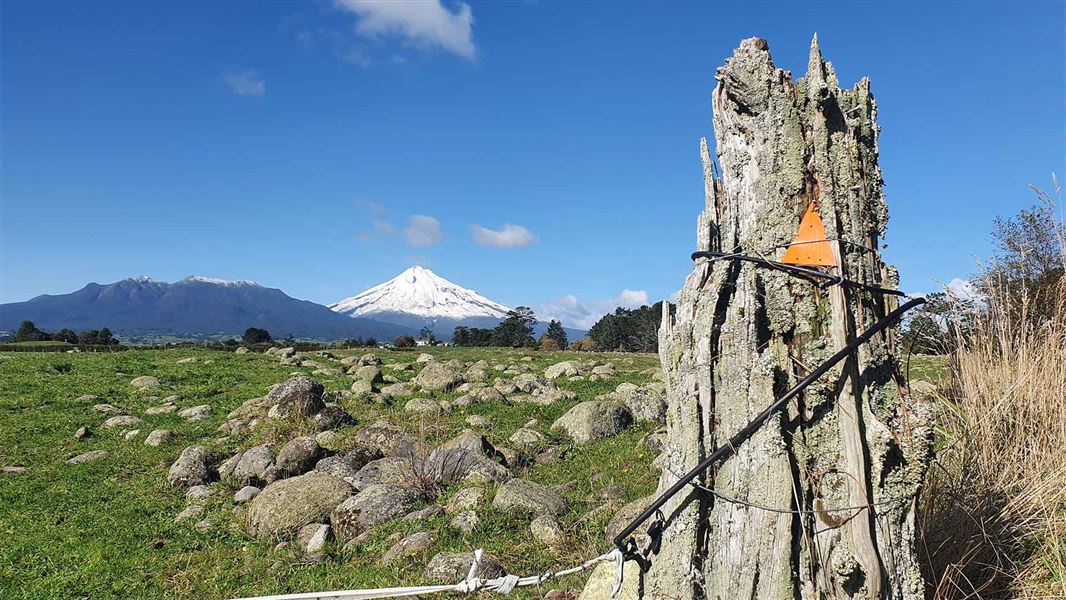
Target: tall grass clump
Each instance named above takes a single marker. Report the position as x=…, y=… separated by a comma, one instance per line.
x=992, y=518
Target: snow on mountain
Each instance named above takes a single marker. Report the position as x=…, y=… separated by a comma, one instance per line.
x=215, y=281
x=421, y=293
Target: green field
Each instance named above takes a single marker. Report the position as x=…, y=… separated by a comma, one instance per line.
x=105, y=528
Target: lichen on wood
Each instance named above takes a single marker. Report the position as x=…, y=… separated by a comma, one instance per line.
x=742, y=335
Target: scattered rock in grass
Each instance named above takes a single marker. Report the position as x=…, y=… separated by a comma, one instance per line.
x=193, y=467
x=560, y=595
x=202, y=525
x=186, y=361
x=478, y=421
x=387, y=438
x=465, y=499
x=454, y=567
x=241, y=350
x=600, y=585
x=332, y=417
x=646, y=403
x=299, y=397
x=449, y=465
x=374, y=505
x=433, y=510
x=15, y=470
x=82, y=433
x=312, y=537
x=165, y=408
x=567, y=368
x=225, y=470
x=371, y=373
x=655, y=440
x=297, y=457
x=191, y=512
x=197, y=492
x=526, y=437
x=245, y=494
x=520, y=495
x=129, y=435
x=550, y=456
x=107, y=408
x=282, y=508
x=390, y=469
x=547, y=530
x=81, y=458
x=626, y=514
x=195, y=413
x=145, y=383
x=159, y=437
x=436, y=376
x=465, y=522
x=362, y=388
x=425, y=358
x=396, y=390
x=85, y=398
x=409, y=547
x=423, y=406
x=121, y=421
x=593, y=420
x=252, y=467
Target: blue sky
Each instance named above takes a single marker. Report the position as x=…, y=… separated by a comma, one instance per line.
x=542, y=153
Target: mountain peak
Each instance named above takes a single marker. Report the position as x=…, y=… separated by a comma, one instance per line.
x=216, y=281
x=419, y=292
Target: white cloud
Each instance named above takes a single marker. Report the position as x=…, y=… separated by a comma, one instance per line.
x=427, y=23
x=573, y=313
x=511, y=236
x=423, y=230
x=372, y=207
x=384, y=227
x=962, y=289
x=245, y=83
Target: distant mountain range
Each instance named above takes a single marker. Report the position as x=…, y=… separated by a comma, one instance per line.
x=141, y=308
x=195, y=307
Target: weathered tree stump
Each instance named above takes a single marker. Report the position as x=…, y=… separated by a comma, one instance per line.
x=787, y=519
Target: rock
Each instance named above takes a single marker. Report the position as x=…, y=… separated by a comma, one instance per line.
x=560, y=595
x=423, y=406
x=193, y=467
x=374, y=505
x=566, y=368
x=245, y=494
x=387, y=438
x=644, y=403
x=626, y=515
x=195, y=413
x=121, y=421
x=145, y=383
x=520, y=495
x=332, y=417
x=396, y=390
x=464, y=500
x=409, y=547
x=478, y=421
x=655, y=440
x=449, y=465
x=107, y=408
x=312, y=537
x=465, y=521
x=450, y=568
x=297, y=457
x=129, y=435
x=82, y=433
x=547, y=530
x=593, y=420
x=369, y=373
x=252, y=467
x=361, y=388
x=433, y=510
x=526, y=437
x=14, y=470
x=529, y=383
x=197, y=492
x=159, y=437
x=284, y=507
x=425, y=358
x=600, y=583
x=190, y=512
x=241, y=350
x=225, y=470
x=550, y=456
x=437, y=377
x=286, y=352
x=161, y=409
x=391, y=469
x=299, y=397
x=85, y=398
x=81, y=458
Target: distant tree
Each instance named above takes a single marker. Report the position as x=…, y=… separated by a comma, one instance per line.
x=231, y=343
x=556, y=332
x=95, y=337
x=549, y=344
x=461, y=336
x=426, y=335
x=404, y=341
x=65, y=335
x=629, y=330
x=28, y=332
x=255, y=335
x=516, y=329
x=107, y=338
x=371, y=342
x=934, y=326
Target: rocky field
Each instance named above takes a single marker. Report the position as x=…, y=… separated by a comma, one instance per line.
x=205, y=474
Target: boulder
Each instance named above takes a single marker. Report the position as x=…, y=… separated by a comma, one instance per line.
x=195, y=413
x=251, y=468
x=593, y=420
x=369, y=373
x=82, y=458
x=386, y=438
x=392, y=469
x=433, y=510
x=567, y=368
x=437, y=377
x=282, y=508
x=600, y=585
x=105, y=408
x=465, y=499
x=82, y=433
x=526, y=437
x=312, y=537
x=159, y=437
x=193, y=467
x=374, y=505
x=332, y=417
x=396, y=390
x=520, y=495
x=425, y=358
x=450, y=568
x=362, y=388
x=547, y=530
x=297, y=457
x=626, y=515
x=145, y=383
x=465, y=521
x=423, y=406
x=644, y=402
x=299, y=397
x=121, y=421
x=449, y=465
x=241, y=350
x=245, y=494
x=409, y=547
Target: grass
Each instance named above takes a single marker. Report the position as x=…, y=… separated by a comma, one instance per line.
x=105, y=529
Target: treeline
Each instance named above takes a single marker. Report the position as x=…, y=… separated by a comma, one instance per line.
x=628, y=330
x=514, y=331
x=28, y=332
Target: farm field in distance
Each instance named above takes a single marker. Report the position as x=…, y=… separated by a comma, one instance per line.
x=106, y=528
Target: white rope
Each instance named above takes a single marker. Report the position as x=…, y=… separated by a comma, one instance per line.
x=503, y=585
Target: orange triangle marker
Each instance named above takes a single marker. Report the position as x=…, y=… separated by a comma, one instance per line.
x=810, y=248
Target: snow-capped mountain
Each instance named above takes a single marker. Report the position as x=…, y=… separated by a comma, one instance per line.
x=194, y=307
x=419, y=297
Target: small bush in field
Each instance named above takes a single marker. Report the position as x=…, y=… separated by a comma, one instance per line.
x=548, y=344
x=583, y=345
